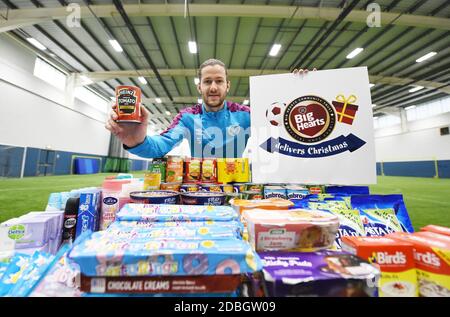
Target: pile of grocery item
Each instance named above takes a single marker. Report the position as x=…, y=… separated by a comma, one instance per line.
x=167, y=249
x=129, y=239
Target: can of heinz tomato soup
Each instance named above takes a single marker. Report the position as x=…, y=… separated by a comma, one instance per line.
x=128, y=104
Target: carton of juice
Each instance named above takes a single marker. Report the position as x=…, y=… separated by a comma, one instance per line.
x=395, y=260
x=174, y=171
x=432, y=260
x=152, y=181
x=209, y=170
x=192, y=168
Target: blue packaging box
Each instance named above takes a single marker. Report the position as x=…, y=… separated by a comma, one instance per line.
x=88, y=212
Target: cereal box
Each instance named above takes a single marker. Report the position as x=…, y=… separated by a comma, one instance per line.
x=395, y=260
x=432, y=260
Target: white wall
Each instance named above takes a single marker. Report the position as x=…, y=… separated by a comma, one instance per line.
x=419, y=140
x=32, y=112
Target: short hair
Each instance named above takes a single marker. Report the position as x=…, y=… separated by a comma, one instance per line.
x=211, y=62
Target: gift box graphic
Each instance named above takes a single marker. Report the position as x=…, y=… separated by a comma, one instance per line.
x=345, y=109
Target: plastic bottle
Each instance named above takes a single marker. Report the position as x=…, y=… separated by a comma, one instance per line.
x=111, y=190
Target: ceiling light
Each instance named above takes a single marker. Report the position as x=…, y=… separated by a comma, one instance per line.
x=158, y=100
x=371, y=85
x=275, y=49
x=36, y=43
x=168, y=113
x=425, y=57
x=199, y=100
x=246, y=102
x=192, y=47
x=142, y=80
x=410, y=107
x=116, y=46
x=417, y=88
x=196, y=80
x=355, y=52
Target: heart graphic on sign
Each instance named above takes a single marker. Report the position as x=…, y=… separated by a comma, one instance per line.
x=309, y=120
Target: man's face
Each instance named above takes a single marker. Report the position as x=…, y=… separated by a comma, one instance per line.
x=213, y=86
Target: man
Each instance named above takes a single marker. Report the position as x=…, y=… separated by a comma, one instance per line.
x=216, y=128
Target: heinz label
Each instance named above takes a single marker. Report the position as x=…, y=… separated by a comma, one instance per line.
x=128, y=104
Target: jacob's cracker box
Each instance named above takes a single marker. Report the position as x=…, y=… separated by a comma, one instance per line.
x=395, y=260
x=432, y=260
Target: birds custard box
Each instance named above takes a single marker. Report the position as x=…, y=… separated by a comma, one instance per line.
x=394, y=258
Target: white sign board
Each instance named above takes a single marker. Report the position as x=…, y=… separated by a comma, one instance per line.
x=315, y=128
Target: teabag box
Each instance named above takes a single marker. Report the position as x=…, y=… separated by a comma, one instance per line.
x=431, y=256
x=395, y=260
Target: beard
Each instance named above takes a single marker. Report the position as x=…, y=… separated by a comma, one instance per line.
x=213, y=101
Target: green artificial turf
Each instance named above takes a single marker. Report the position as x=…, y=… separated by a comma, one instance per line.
x=427, y=200
x=19, y=196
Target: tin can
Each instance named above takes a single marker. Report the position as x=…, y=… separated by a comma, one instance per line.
x=128, y=104
x=210, y=188
x=275, y=192
x=238, y=187
x=296, y=192
x=174, y=173
x=192, y=170
x=251, y=195
x=152, y=181
x=314, y=189
x=189, y=188
x=254, y=187
x=227, y=188
x=230, y=196
x=209, y=170
x=171, y=186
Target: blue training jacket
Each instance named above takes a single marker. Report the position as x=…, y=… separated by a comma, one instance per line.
x=210, y=134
